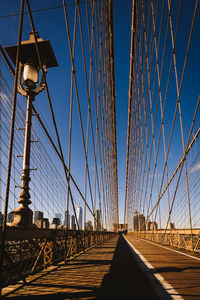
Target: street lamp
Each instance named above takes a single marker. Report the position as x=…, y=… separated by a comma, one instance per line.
x=29, y=66
x=30, y=76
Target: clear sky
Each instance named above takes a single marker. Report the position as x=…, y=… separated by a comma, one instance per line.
x=122, y=26
x=50, y=25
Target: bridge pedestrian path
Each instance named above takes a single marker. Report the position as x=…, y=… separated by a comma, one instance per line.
x=107, y=271
x=177, y=271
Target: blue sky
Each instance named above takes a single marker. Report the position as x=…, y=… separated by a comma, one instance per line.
x=50, y=25
x=122, y=26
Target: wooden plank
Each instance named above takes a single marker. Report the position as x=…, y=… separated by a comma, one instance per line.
x=179, y=268
x=107, y=271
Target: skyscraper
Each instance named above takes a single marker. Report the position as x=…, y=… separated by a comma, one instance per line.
x=135, y=221
x=59, y=216
x=88, y=225
x=79, y=213
x=67, y=219
x=73, y=224
x=98, y=220
x=38, y=218
x=141, y=221
x=10, y=217
x=1, y=218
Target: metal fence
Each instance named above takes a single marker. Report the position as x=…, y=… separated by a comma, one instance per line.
x=181, y=239
x=28, y=251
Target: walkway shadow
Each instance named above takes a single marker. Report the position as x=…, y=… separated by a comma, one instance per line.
x=79, y=279
x=125, y=279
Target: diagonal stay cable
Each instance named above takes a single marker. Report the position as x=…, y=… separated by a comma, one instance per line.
x=70, y=120
x=12, y=131
x=49, y=100
x=41, y=9
x=129, y=105
x=77, y=98
x=88, y=114
x=106, y=155
x=167, y=87
x=95, y=46
x=98, y=51
x=59, y=155
x=179, y=103
x=161, y=194
x=44, y=128
x=88, y=124
x=180, y=165
x=159, y=97
x=98, y=57
x=102, y=143
x=92, y=45
x=108, y=118
x=12, y=70
x=13, y=114
x=100, y=103
x=112, y=111
x=88, y=95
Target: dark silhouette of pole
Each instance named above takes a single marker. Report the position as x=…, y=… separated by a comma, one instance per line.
x=23, y=215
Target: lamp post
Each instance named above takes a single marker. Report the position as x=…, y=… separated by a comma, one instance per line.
x=29, y=66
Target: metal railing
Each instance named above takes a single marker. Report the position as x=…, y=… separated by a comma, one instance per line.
x=28, y=251
x=178, y=238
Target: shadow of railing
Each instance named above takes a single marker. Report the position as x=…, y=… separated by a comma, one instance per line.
x=28, y=251
x=82, y=277
x=125, y=279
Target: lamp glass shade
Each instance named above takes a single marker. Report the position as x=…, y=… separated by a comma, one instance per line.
x=30, y=76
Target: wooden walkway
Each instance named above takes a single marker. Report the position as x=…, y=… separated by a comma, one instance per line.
x=178, y=268
x=107, y=271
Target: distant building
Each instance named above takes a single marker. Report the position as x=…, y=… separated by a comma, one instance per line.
x=152, y=226
x=38, y=218
x=1, y=218
x=135, y=221
x=115, y=227
x=171, y=226
x=73, y=223
x=59, y=216
x=45, y=223
x=141, y=223
x=79, y=213
x=38, y=215
x=123, y=227
x=138, y=222
x=67, y=219
x=98, y=220
x=56, y=221
x=53, y=226
x=10, y=217
x=88, y=226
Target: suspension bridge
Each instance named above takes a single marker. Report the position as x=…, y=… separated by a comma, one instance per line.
x=99, y=149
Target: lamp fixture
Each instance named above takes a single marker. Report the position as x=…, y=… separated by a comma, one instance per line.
x=30, y=76
x=29, y=65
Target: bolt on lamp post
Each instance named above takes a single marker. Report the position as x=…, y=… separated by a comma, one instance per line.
x=29, y=65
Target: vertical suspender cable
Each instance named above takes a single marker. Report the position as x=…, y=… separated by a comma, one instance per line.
x=11, y=139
